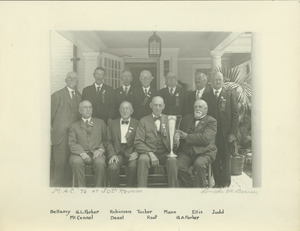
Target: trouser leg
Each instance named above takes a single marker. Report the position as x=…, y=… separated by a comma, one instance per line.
x=143, y=170
x=62, y=171
x=184, y=178
x=226, y=166
x=99, y=170
x=172, y=172
x=78, y=168
x=114, y=172
x=130, y=172
x=200, y=169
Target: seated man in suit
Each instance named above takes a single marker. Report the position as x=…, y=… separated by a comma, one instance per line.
x=152, y=142
x=201, y=88
x=175, y=97
x=120, y=138
x=123, y=93
x=197, y=146
x=86, y=140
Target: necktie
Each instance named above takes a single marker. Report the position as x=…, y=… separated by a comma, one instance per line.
x=156, y=118
x=216, y=94
x=74, y=100
x=171, y=91
x=145, y=91
x=125, y=122
x=98, y=90
x=198, y=94
x=87, y=123
x=126, y=90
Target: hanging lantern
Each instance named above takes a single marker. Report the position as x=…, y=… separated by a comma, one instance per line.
x=154, y=46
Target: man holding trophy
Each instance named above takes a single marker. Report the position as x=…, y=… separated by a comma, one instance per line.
x=154, y=141
x=197, y=146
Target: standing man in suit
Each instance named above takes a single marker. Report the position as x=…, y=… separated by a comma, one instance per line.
x=175, y=97
x=152, y=142
x=223, y=107
x=120, y=138
x=64, y=111
x=201, y=88
x=86, y=140
x=197, y=146
x=143, y=96
x=100, y=95
x=123, y=93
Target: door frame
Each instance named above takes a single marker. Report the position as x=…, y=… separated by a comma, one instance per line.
x=146, y=60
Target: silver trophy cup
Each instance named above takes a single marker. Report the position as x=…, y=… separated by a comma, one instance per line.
x=173, y=122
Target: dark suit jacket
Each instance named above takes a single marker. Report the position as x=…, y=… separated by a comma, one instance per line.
x=102, y=103
x=83, y=138
x=200, y=139
x=141, y=103
x=176, y=104
x=228, y=116
x=146, y=135
x=114, y=137
x=119, y=97
x=63, y=113
x=192, y=99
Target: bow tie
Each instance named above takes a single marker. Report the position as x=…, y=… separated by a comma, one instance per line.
x=125, y=122
x=156, y=118
x=197, y=119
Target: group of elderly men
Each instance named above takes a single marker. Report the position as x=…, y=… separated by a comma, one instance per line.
x=129, y=126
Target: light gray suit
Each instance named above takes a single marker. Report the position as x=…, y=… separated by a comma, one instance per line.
x=148, y=139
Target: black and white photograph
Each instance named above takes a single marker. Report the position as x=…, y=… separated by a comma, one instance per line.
x=149, y=115
x=104, y=126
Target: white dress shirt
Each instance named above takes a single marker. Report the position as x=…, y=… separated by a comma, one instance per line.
x=84, y=120
x=147, y=89
x=124, y=130
x=219, y=91
x=173, y=88
x=70, y=92
x=199, y=93
x=128, y=87
x=96, y=85
x=157, y=122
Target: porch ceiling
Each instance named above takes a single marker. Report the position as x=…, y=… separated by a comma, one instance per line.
x=189, y=44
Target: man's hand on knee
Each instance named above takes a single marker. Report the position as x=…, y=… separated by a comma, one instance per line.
x=86, y=158
x=154, y=160
x=133, y=156
x=98, y=153
x=190, y=171
x=114, y=159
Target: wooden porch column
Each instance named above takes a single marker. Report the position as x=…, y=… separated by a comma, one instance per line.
x=256, y=113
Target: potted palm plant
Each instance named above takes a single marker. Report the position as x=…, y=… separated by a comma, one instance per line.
x=241, y=85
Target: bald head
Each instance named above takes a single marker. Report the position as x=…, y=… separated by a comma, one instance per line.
x=157, y=105
x=125, y=110
x=146, y=78
x=71, y=79
x=85, y=109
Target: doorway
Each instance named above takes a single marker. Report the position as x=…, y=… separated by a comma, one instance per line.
x=137, y=67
